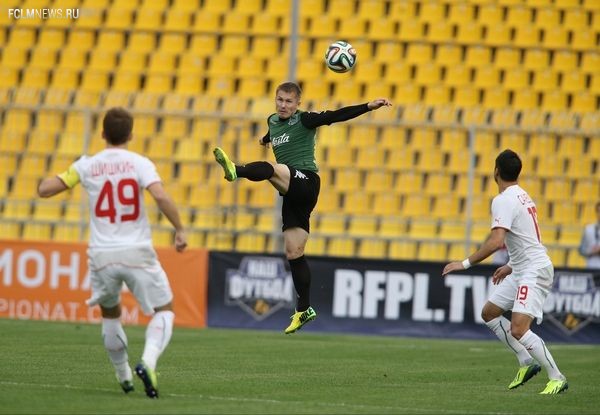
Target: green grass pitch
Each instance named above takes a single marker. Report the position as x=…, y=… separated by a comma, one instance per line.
x=62, y=368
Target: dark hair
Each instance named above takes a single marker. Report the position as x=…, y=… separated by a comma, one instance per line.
x=509, y=165
x=117, y=125
x=290, y=87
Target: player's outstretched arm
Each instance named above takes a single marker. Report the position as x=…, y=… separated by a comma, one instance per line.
x=378, y=103
x=167, y=206
x=493, y=242
x=51, y=186
x=317, y=119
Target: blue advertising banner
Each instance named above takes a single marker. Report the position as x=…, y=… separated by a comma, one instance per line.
x=387, y=298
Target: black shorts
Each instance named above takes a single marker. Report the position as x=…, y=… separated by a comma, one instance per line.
x=300, y=199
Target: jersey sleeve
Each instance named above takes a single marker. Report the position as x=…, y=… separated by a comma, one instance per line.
x=317, y=119
x=502, y=213
x=70, y=177
x=148, y=173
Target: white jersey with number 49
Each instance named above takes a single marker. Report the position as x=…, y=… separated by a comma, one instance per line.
x=115, y=180
x=514, y=211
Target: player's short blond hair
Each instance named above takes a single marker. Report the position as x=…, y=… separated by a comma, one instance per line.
x=290, y=87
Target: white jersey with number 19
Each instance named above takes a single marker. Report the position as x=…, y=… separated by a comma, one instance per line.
x=115, y=180
x=514, y=211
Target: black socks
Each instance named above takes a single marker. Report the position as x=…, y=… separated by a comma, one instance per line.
x=255, y=171
x=301, y=277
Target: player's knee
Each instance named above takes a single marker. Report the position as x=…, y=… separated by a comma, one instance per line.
x=489, y=313
x=518, y=331
x=293, y=252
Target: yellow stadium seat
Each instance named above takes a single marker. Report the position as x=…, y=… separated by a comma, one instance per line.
x=498, y=35
x=495, y=97
x=545, y=80
x=16, y=209
x=386, y=204
x=51, y=39
x=36, y=231
x=147, y=19
x=536, y=59
x=432, y=251
x=480, y=209
x=486, y=77
x=133, y=61
x=574, y=81
x=72, y=59
x=351, y=27
x=403, y=250
x=490, y=14
x=330, y=224
x=158, y=83
x=22, y=38
x=118, y=19
x=27, y=96
x=519, y=16
x=584, y=39
x=47, y=211
x=94, y=81
x=140, y=42
x=102, y=60
x=126, y=82
x=427, y=74
x=584, y=102
x=34, y=78
x=547, y=17
x=555, y=37
x=251, y=243
x=527, y=36
x=415, y=204
x=234, y=45
x=469, y=33
x=423, y=229
x=162, y=62
x=391, y=226
x=43, y=58
x=411, y=30
x=369, y=248
x=461, y=13
x=505, y=117
x=329, y=202
x=575, y=19
x=381, y=29
x=525, y=99
x=507, y=58
x=574, y=259
x=419, y=53
x=446, y=207
x=557, y=189
x=478, y=56
x=111, y=41
x=64, y=78
x=235, y=23
x=362, y=225
x=10, y=230
x=554, y=101
x=341, y=247
x=8, y=77
x=590, y=62
x=516, y=79
x=357, y=203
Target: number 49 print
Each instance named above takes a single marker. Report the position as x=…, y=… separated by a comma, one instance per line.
x=105, y=206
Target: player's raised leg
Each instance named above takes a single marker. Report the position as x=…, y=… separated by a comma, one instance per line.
x=256, y=171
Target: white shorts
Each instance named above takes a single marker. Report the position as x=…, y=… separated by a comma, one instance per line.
x=138, y=268
x=525, y=293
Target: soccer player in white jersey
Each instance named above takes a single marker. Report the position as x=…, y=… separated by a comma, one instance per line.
x=120, y=246
x=523, y=283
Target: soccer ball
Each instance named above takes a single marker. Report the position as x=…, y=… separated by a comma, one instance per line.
x=340, y=56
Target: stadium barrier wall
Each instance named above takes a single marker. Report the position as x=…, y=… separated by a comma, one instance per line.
x=387, y=298
x=50, y=281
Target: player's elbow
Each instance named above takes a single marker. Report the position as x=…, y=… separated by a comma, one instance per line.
x=43, y=190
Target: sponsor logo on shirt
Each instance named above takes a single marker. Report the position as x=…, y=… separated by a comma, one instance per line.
x=283, y=138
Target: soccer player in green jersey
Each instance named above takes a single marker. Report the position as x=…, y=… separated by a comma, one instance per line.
x=292, y=135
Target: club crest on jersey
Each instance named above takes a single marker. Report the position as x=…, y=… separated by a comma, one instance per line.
x=574, y=301
x=260, y=286
x=283, y=138
x=294, y=119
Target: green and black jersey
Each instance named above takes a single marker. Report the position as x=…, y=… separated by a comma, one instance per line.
x=294, y=138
